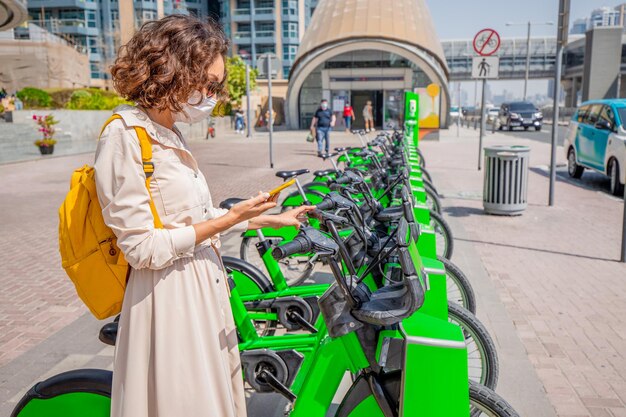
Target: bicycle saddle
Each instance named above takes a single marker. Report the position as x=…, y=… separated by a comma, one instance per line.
x=329, y=155
x=325, y=172
x=347, y=148
x=108, y=333
x=389, y=214
x=289, y=174
x=230, y=202
x=393, y=303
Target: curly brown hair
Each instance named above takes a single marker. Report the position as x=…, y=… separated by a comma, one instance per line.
x=167, y=60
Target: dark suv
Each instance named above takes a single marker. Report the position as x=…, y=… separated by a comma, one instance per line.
x=519, y=114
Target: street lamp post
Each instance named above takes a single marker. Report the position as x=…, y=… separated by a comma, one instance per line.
x=527, y=72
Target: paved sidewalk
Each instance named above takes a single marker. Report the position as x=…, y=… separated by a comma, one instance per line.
x=554, y=268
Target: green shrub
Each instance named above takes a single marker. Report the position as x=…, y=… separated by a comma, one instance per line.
x=34, y=98
x=94, y=99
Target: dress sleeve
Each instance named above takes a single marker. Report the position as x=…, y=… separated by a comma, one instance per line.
x=125, y=202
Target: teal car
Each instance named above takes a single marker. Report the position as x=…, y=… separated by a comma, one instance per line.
x=596, y=139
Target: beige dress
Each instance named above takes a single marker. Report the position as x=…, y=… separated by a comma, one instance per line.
x=176, y=352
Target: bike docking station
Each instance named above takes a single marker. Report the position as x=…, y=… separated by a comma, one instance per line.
x=398, y=317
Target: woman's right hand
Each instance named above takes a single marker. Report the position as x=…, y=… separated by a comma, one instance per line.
x=253, y=207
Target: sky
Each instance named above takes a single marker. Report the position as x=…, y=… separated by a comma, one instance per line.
x=462, y=19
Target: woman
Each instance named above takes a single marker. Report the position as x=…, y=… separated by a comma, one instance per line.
x=368, y=116
x=348, y=115
x=239, y=121
x=176, y=352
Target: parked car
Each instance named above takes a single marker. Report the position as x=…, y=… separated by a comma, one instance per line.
x=596, y=139
x=519, y=114
x=492, y=114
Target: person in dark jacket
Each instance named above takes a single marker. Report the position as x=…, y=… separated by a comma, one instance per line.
x=321, y=125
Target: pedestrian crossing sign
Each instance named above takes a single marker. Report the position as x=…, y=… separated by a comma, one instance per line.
x=484, y=67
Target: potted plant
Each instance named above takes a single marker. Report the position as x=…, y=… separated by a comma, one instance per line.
x=46, y=127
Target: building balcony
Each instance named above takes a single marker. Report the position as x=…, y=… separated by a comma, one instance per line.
x=289, y=39
x=242, y=38
x=36, y=5
x=67, y=26
x=265, y=36
x=260, y=14
x=145, y=5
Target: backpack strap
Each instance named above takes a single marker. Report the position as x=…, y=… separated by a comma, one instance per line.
x=146, y=159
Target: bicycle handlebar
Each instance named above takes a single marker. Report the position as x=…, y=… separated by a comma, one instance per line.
x=300, y=244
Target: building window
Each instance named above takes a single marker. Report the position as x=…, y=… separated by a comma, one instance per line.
x=95, y=70
x=286, y=72
x=262, y=49
x=289, y=52
x=290, y=7
x=290, y=30
x=264, y=4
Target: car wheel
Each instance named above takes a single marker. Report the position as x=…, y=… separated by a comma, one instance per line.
x=538, y=128
x=573, y=169
x=617, y=188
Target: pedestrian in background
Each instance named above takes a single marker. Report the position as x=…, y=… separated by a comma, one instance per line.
x=323, y=121
x=368, y=116
x=239, y=122
x=348, y=115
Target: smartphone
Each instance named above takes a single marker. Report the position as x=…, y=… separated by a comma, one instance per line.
x=282, y=187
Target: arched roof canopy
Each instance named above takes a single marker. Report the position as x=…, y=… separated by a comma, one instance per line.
x=403, y=27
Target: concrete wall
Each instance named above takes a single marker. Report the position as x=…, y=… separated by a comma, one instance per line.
x=603, y=54
x=77, y=132
x=44, y=61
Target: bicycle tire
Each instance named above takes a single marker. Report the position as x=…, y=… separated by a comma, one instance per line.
x=476, y=334
x=433, y=199
x=247, y=252
x=426, y=174
x=486, y=402
x=429, y=184
x=422, y=159
x=454, y=274
x=440, y=225
x=255, y=280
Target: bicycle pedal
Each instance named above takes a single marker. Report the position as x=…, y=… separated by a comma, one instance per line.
x=297, y=318
x=277, y=386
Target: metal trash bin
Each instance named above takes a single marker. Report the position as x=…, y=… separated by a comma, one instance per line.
x=505, y=187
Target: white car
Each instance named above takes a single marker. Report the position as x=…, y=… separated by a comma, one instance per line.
x=596, y=139
x=455, y=113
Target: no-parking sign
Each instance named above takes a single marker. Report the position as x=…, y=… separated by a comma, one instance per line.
x=486, y=42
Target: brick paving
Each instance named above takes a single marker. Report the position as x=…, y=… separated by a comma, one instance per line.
x=554, y=268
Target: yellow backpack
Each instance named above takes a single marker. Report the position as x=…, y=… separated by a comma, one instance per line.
x=89, y=251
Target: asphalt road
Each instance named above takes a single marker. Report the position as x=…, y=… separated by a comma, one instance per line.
x=590, y=180
x=544, y=135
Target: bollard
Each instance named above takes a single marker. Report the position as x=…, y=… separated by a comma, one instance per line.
x=493, y=127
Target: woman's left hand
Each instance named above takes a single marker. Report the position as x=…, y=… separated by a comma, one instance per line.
x=291, y=217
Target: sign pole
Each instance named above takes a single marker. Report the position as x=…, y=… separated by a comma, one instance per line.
x=560, y=44
x=482, y=125
x=623, y=257
x=458, y=119
x=270, y=106
x=249, y=128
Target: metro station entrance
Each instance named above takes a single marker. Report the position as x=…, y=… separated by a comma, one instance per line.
x=358, y=100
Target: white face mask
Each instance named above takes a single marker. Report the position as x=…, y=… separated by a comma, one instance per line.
x=194, y=113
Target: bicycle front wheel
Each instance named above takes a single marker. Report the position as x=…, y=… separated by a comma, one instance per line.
x=458, y=287
x=482, y=357
x=443, y=235
x=484, y=402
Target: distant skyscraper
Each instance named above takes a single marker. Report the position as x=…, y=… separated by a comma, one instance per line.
x=601, y=17
x=261, y=26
